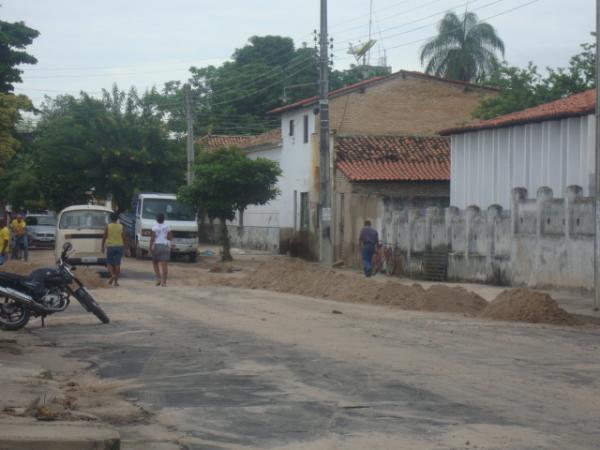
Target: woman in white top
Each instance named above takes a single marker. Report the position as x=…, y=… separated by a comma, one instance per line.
x=160, y=246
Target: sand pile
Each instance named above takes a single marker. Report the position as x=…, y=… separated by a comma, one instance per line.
x=452, y=299
x=301, y=278
x=524, y=305
x=88, y=276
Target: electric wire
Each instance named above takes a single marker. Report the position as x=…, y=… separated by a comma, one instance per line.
x=294, y=63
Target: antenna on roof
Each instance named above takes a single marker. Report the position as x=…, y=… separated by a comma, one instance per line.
x=382, y=61
x=359, y=51
x=370, y=28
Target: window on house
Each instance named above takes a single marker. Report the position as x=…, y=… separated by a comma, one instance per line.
x=304, y=210
x=305, y=128
x=291, y=127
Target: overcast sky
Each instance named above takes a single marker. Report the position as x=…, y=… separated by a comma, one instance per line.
x=90, y=44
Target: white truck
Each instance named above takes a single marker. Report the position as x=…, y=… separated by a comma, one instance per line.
x=180, y=218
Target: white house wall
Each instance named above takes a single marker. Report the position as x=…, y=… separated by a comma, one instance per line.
x=265, y=215
x=487, y=164
x=296, y=162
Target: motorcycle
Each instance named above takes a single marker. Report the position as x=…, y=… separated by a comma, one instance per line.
x=43, y=292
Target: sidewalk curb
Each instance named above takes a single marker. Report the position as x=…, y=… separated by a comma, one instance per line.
x=58, y=436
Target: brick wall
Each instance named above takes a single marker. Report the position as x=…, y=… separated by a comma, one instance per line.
x=405, y=105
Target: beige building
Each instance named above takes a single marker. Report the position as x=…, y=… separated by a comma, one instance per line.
x=405, y=103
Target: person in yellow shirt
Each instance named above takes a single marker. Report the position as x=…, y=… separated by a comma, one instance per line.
x=19, y=232
x=4, y=241
x=114, y=241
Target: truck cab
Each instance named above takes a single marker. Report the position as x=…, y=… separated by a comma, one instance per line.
x=179, y=217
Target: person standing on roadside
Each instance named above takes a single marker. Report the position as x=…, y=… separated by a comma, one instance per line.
x=114, y=241
x=19, y=231
x=4, y=241
x=367, y=241
x=160, y=247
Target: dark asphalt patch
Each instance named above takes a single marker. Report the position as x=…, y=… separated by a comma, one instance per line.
x=195, y=367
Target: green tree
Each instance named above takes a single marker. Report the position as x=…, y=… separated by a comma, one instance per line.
x=115, y=145
x=235, y=97
x=227, y=181
x=19, y=184
x=465, y=49
x=525, y=88
x=14, y=37
x=10, y=107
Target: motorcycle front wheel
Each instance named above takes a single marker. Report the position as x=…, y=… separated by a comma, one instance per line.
x=90, y=305
x=13, y=315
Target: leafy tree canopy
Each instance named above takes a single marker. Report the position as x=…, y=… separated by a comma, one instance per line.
x=465, y=49
x=10, y=107
x=234, y=98
x=524, y=88
x=116, y=145
x=226, y=181
x=14, y=37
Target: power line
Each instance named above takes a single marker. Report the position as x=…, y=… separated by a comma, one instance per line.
x=484, y=19
x=401, y=13
x=421, y=19
x=294, y=63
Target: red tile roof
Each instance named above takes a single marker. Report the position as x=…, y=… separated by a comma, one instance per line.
x=214, y=141
x=371, y=81
x=393, y=158
x=573, y=106
x=272, y=137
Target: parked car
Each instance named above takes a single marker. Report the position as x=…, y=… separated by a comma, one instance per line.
x=83, y=227
x=41, y=229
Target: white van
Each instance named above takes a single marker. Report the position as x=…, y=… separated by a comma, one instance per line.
x=83, y=226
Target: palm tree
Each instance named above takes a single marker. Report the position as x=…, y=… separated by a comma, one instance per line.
x=465, y=49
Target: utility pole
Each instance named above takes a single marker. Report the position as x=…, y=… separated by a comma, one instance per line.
x=190, y=134
x=597, y=170
x=325, y=160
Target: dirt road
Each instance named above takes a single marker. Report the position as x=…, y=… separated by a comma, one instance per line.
x=223, y=368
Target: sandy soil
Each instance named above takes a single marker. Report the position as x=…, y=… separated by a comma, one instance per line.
x=292, y=276
x=404, y=376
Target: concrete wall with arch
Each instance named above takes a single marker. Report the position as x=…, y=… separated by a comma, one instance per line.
x=540, y=241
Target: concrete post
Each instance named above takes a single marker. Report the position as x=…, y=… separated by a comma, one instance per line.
x=470, y=214
x=518, y=196
x=571, y=195
x=493, y=213
x=543, y=195
x=449, y=214
x=430, y=213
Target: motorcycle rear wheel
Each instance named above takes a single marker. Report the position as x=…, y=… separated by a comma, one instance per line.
x=13, y=315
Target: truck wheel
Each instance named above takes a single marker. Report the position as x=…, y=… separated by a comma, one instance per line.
x=193, y=257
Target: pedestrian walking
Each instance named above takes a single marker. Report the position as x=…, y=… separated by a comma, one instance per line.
x=160, y=246
x=4, y=241
x=19, y=232
x=114, y=241
x=367, y=241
